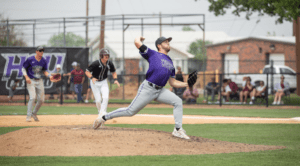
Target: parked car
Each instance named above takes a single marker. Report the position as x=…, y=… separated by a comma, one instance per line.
x=289, y=74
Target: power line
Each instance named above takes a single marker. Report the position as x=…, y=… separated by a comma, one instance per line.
x=120, y=7
x=254, y=26
x=242, y=27
x=231, y=27
x=132, y=6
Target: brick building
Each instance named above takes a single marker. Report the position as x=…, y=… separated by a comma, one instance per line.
x=250, y=55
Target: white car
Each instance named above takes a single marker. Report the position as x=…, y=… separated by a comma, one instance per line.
x=278, y=71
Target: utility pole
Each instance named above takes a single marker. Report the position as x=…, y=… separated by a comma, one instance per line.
x=7, y=33
x=87, y=24
x=33, y=33
x=102, y=27
x=160, y=29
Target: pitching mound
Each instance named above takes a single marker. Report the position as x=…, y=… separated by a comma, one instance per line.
x=111, y=141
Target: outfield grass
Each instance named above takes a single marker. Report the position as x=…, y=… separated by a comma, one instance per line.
x=267, y=134
x=57, y=110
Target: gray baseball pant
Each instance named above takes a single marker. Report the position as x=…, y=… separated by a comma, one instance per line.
x=145, y=95
x=35, y=90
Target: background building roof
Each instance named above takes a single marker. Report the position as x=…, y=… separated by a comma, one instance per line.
x=287, y=40
x=180, y=42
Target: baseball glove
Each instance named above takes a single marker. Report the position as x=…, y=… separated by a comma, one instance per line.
x=55, y=78
x=192, y=78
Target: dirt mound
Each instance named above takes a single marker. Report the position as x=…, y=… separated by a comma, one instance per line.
x=111, y=141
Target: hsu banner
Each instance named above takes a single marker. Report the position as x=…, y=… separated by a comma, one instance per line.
x=12, y=59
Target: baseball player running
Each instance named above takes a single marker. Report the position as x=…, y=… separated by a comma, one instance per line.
x=32, y=70
x=160, y=71
x=97, y=72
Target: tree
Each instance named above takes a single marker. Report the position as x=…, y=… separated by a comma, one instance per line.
x=187, y=28
x=15, y=36
x=72, y=40
x=288, y=10
x=196, y=48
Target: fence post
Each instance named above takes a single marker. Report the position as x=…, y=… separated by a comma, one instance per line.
x=61, y=91
x=204, y=84
x=25, y=92
x=139, y=80
x=123, y=47
x=267, y=92
x=220, y=90
x=272, y=77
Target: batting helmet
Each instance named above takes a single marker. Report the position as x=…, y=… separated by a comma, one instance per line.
x=104, y=51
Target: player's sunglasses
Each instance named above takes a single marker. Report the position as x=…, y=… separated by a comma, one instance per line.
x=41, y=50
x=105, y=54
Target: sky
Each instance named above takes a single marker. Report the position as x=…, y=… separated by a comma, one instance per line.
x=230, y=24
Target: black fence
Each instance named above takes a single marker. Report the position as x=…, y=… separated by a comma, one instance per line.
x=62, y=94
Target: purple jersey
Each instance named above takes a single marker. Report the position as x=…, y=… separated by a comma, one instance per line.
x=160, y=67
x=35, y=68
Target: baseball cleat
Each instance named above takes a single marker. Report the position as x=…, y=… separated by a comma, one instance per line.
x=35, y=117
x=99, y=121
x=28, y=119
x=180, y=133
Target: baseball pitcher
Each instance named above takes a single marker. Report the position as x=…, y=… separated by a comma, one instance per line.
x=33, y=68
x=160, y=71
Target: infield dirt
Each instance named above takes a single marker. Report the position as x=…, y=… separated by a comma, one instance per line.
x=81, y=140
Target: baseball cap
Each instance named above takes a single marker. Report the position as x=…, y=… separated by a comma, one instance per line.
x=74, y=63
x=58, y=66
x=161, y=39
x=40, y=48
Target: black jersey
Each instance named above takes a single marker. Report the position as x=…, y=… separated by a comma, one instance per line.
x=99, y=70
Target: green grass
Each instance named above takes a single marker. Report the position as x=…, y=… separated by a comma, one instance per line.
x=4, y=130
x=62, y=110
x=267, y=134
